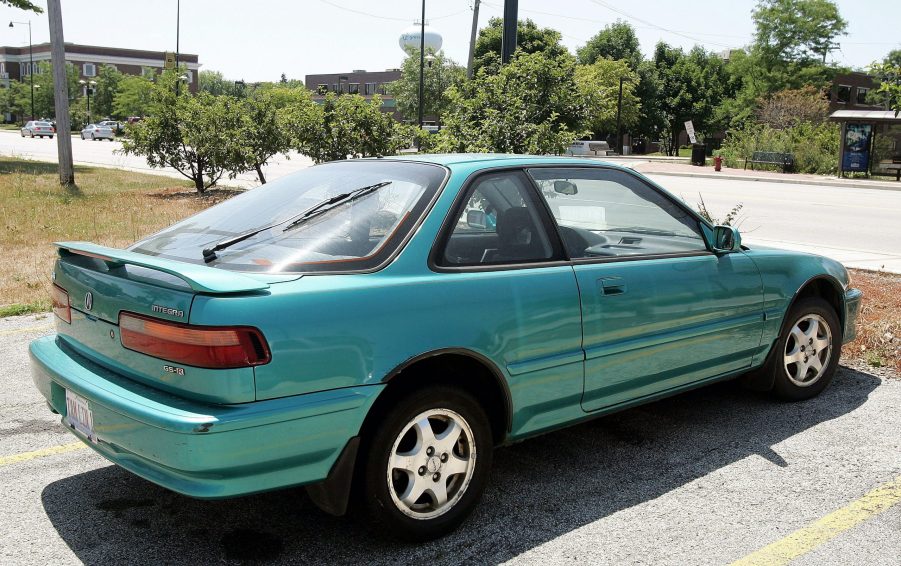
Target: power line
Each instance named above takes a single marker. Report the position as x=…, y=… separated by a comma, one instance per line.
x=388, y=18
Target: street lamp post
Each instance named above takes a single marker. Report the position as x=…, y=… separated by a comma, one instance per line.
x=89, y=90
x=30, y=61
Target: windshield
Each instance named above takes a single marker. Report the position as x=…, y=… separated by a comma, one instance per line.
x=355, y=234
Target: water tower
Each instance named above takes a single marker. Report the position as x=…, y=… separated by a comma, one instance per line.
x=409, y=38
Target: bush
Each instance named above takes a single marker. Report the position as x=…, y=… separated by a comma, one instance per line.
x=814, y=145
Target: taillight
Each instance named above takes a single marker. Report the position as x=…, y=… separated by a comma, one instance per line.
x=60, y=299
x=215, y=347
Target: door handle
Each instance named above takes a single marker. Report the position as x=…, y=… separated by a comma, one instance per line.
x=612, y=286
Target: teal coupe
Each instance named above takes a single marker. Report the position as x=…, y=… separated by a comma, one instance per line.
x=373, y=329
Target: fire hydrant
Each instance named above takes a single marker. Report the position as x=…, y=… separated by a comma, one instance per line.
x=717, y=163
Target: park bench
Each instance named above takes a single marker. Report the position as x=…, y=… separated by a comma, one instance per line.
x=784, y=160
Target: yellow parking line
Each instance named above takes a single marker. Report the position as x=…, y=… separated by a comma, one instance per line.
x=822, y=531
x=24, y=330
x=25, y=456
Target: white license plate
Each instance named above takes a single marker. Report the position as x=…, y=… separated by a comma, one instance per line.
x=79, y=415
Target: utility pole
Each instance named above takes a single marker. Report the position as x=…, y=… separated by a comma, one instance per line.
x=508, y=41
x=472, y=38
x=60, y=94
x=421, y=61
x=619, y=108
x=177, y=35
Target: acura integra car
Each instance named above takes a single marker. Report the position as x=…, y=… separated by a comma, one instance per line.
x=373, y=329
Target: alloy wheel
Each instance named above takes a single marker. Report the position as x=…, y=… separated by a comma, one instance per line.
x=431, y=463
x=808, y=350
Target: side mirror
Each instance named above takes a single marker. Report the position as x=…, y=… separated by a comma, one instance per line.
x=565, y=188
x=476, y=219
x=726, y=239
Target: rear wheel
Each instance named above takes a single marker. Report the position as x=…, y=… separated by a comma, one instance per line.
x=92, y=137
x=807, y=353
x=427, y=463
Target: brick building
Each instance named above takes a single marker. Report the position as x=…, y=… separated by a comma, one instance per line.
x=365, y=83
x=88, y=59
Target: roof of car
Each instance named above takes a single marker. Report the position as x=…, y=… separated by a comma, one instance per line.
x=492, y=159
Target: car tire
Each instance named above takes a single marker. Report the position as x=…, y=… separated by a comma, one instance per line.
x=93, y=138
x=82, y=135
x=21, y=133
x=807, y=353
x=32, y=135
x=439, y=436
x=51, y=137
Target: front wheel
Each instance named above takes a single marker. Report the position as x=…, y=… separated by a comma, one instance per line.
x=808, y=351
x=427, y=463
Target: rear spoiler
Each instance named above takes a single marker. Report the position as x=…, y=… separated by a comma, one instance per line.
x=200, y=278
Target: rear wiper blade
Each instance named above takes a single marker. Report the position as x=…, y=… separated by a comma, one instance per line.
x=331, y=203
x=209, y=254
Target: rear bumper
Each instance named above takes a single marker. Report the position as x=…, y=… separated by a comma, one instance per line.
x=203, y=450
x=853, y=298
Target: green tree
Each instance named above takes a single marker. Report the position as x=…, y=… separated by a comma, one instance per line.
x=193, y=134
x=439, y=75
x=348, y=125
x=533, y=105
x=108, y=79
x=616, y=41
x=889, y=77
x=691, y=87
x=213, y=83
x=599, y=85
x=797, y=30
x=133, y=97
x=23, y=5
x=267, y=126
x=529, y=39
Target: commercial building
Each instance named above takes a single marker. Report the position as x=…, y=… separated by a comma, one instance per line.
x=365, y=83
x=16, y=63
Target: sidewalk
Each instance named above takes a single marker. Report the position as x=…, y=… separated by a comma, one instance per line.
x=655, y=167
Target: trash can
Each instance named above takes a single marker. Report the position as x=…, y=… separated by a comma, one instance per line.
x=698, y=154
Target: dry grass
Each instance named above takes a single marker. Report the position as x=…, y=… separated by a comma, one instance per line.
x=110, y=207
x=879, y=324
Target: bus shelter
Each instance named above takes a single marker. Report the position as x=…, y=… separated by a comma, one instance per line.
x=870, y=142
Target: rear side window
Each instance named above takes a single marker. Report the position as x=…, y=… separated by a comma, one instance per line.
x=501, y=222
x=347, y=235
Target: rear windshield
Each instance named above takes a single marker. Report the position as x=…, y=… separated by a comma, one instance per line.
x=357, y=234
x=42, y=123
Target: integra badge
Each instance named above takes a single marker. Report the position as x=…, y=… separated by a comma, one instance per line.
x=167, y=310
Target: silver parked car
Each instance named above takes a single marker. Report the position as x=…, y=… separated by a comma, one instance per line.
x=38, y=128
x=114, y=125
x=97, y=132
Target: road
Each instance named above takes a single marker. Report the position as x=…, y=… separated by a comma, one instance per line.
x=108, y=154
x=708, y=477
x=860, y=227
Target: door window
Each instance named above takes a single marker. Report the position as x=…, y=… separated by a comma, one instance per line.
x=501, y=222
x=609, y=213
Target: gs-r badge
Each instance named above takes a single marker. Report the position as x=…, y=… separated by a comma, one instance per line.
x=174, y=369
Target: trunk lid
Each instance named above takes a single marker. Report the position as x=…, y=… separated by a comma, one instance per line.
x=104, y=282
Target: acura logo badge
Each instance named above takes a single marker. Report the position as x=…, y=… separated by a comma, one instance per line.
x=88, y=301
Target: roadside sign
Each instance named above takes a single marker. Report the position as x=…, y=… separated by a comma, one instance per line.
x=690, y=130
x=169, y=60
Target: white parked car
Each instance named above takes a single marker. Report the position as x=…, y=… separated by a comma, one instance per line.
x=97, y=132
x=38, y=128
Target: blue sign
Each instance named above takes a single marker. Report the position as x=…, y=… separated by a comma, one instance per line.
x=856, y=156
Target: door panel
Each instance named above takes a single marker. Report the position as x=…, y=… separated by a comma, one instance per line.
x=655, y=324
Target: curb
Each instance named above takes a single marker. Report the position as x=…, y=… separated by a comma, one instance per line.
x=824, y=183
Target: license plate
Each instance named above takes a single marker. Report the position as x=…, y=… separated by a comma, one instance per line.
x=79, y=415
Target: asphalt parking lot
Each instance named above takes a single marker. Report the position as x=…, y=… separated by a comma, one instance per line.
x=709, y=477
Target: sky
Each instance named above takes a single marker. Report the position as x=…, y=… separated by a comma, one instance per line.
x=261, y=39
